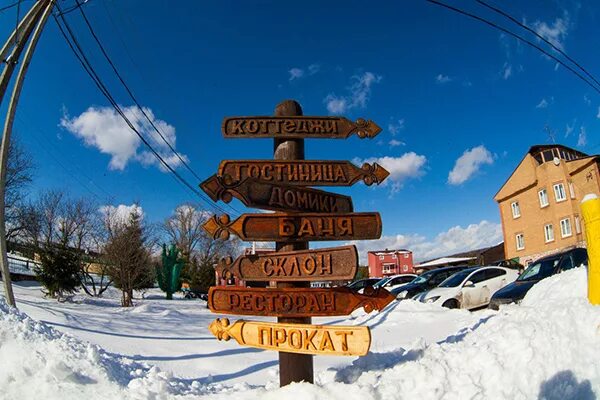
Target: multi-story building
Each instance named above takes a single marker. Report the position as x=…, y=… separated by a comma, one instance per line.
x=539, y=203
x=390, y=262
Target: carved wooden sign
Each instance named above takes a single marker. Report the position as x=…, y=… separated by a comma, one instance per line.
x=277, y=197
x=299, y=127
x=302, y=172
x=294, y=302
x=296, y=227
x=337, y=263
x=332, y=340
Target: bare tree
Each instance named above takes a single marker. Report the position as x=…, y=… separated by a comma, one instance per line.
x=19, y=174
x=127, y=255
x=201, y=252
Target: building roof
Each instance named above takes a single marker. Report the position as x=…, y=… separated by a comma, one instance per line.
x=536, y=148
x=444, y=261
x=387, y=251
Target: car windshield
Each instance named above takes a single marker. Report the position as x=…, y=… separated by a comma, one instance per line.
x=422, y=278
x=381, y=282
x=539, y=270
x=455, y=280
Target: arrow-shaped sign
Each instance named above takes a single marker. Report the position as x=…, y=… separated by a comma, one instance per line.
x=302, y=127
x=277, y=197
x=296, y=227
x=331, y=340
x=328, y=264
x=294, y=302
x=302, y=172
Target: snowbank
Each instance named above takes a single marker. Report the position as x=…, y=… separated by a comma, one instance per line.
x=545, y=348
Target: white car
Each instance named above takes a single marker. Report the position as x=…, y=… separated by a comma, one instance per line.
x=469, y=288
x=394, y=281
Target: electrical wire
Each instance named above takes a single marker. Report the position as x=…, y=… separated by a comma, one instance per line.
x=80, y=55
x=522, y=25
x=8, y=7
x=516, y=36
x=139, y=106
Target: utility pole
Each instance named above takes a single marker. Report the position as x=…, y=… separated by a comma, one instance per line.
x=41, y=11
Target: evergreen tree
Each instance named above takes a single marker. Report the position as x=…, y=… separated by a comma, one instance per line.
x=58, y=271
x=128, y=258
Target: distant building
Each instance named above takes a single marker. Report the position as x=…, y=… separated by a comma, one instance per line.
x=232, y=280
x=390, y=262
x=539, y=203
x=443, y=262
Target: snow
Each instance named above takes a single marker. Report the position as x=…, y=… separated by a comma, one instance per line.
x=546, y=347
x=444, y=261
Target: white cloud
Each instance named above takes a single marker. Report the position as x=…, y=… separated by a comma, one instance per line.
x=296, y=73
x=103, y=128
x=409, y=165
x=396, y=126
x=394, y=143
x=542, y=104
x=119, y=215
x=569, y=129
x=469, y=163
x=360, y=92
x=555, y=32
x=506, y=71
x=598, y=116
x=582, y=138
x=443, y=78
x=455, y=240
x=587, y=100
x=313, y=68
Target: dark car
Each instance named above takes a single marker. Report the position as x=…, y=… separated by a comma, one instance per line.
x=540, y=269
x=425, y=282
x=362, y=283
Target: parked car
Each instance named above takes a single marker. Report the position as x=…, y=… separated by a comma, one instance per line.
x=394, y=281
x=537, y=271
x=362, y=283
x=469, y=288
x=425, y=282
x=509, y=263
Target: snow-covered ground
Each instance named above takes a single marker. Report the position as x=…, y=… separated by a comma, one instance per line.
x=545, y=348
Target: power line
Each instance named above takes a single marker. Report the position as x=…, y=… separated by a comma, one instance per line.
x=516, y=36
x=8, y=7
x=522, y=25
x=114, y=68
x=80, y=55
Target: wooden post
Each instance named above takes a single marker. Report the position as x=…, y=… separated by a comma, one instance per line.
x=292, y=367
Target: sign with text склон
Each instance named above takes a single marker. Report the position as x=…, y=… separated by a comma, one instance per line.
x=301, y=172
x=294, y=302
x=296, y=227
x=332, y=340
x=277, y=197
x=298, y=127
x=327, y=264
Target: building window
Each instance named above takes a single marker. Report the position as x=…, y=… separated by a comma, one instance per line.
x=520, y=241
x=565, y=227
x=572, y=190
x=543, y=195
x=577, y=224
x=405, y=255
x=548, y=233
x=381, y=257
x=559, y=192
x=405, y=268
x=516, y=211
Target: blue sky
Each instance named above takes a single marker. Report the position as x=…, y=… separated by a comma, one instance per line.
x=459, y=102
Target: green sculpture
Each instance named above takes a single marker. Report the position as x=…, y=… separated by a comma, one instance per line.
x=168, y=274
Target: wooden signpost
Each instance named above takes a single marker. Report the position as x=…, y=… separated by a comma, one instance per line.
x=331, y=264
x=296, y=227
x=303, y=214
x=296, y=338
x=294, y=302
x=277, y=197
x=298, y=127
x=301, y=172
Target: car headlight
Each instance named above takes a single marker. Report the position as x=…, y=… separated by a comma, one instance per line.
x=402, y=295
x=432, y=299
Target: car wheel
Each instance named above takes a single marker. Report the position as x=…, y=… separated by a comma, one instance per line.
x=452, y=303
